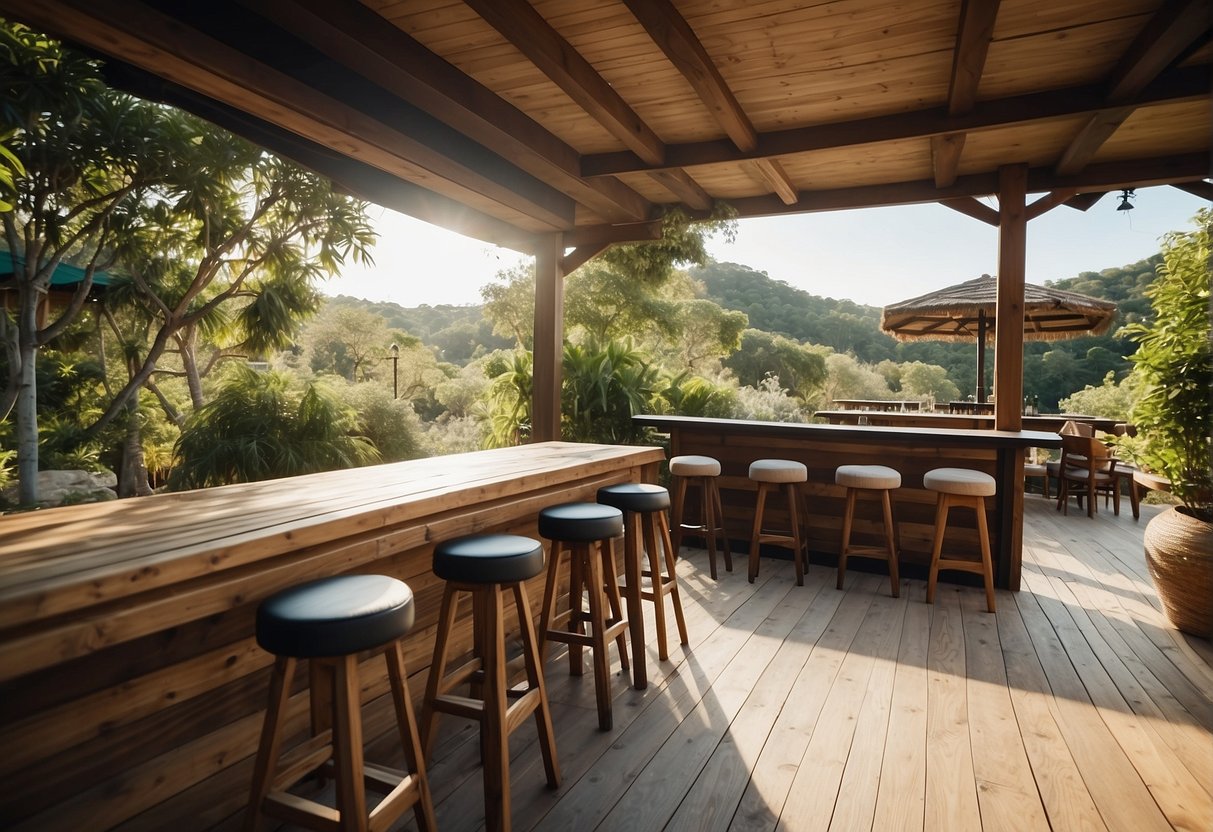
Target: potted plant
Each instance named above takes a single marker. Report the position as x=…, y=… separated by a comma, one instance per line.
x=1174, y=364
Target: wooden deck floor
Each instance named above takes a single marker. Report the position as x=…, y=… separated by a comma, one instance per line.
x=1074, y=707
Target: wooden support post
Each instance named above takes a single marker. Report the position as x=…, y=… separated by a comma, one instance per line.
x=1008, y=327
x=549, y=339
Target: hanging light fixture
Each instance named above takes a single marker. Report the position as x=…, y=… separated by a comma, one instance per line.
x=1126, y=195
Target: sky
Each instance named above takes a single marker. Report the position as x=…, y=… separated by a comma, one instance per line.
x=873, y=256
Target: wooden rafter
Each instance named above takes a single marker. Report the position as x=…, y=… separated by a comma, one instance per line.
x=975, y=32
x=1048, y=202
x=356, y=37
x=1163, y=39
x=186, y=56
x=1082, y=202
x=535, y=38
x=675, y=37
x=678, y=182
x=1175, y=87
x=1199, y=187
x=969, y=206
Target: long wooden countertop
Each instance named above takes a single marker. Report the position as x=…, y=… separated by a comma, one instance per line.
x=132, y=683
x=964, y=421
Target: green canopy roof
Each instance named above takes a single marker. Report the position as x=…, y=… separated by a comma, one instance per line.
x=65, y=274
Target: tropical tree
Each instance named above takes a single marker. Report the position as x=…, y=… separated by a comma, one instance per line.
x=258, y=426
x=927, y=381
x=762, y=354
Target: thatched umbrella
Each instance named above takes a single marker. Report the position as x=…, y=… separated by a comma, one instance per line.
x=966, y=312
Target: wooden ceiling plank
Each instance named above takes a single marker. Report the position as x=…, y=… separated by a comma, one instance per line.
x=1172, y=29
x=671, y=32
x=634, y=232
x=359, y=39
x=185, y=56
x=678, y=182
x=971, y=207
x=774, y=175
x=1177, y=86
x=535, y=38
x=1198, y=187
x=1048, y=202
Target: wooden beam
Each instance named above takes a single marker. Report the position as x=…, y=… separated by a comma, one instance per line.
x=579, y=256
x=771, y=172
x=535, y=38
x=1168, y=33
x=678, y=182
x=1048, y=202
x=548, y=350
x=1008, y=326
x=671, y=32
x=971, y=207
x=1084, y=201
x=945, y=157
x=166, y=47
x=1182, y=85
x=1172, y=29
x=356, y=37
x=1199, y=188
x=976, y=30
x=635, y=232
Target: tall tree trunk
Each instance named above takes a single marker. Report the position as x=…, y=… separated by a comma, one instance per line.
x=133, y=480
x=185, y=343
x=27, y=394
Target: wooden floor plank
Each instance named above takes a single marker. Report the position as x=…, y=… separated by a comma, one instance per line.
x=901, y=800
x=951, y=795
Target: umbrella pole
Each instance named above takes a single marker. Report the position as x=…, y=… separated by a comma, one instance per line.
x=981, y=355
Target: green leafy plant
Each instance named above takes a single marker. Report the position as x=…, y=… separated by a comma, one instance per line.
x=1174, y=364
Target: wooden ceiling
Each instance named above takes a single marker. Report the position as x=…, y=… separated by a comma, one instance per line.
x=507, y=119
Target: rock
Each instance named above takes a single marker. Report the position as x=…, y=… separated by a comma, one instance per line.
x=60, y=487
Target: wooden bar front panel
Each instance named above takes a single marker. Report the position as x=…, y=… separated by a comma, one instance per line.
x=133, y=688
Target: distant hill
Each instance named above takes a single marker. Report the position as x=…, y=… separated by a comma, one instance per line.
x=455, y=332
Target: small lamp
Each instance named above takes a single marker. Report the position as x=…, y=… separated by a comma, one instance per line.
x=1126, y=195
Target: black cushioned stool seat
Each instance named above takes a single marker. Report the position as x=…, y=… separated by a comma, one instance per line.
x=486, y=567
x=584, y=531
x=330, y=621
x=648, y=530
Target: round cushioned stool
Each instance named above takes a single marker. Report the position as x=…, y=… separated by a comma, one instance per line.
x=872, y=479
x=961, y=487
x=700, y=471
x=329, y=622
x=485, y=567
x=644, y=512
x=781, y=475
x=584, y=531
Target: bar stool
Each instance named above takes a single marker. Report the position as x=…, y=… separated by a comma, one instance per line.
x=485, y=567
x=644, y=512
x=329, y=622
x=873, y=479
x=961, y=487
x=781, y=475
x=585, y=530
x=700, y=471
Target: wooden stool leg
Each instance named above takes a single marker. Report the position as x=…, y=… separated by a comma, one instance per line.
x=347, y=746
x=497, y=746
x=577, y=580
x=671, y=571
x=983, y=535
x=680, y=496
x=759, y=504
x=709, y=523
x=602, y=677
x=611, y=577
x=848, y=516
x=429, y=716
x=793, y=495
x=550, y=592
x=635, y=598
x=941, y=520
x=718, y=523
x=658, y=586
x=890, y=541
x=423, y=808
x=534, y=672
x=271, y=739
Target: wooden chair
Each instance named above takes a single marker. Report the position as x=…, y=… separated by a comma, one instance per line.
x=1088, y=463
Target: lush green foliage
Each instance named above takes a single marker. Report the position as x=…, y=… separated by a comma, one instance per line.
x=800, y=370
x=260, y=426
x=1174, y=364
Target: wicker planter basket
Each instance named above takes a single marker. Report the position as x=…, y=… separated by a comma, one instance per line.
x=1179, y=552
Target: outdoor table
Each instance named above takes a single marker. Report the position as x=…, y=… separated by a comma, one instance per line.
x=131, y=680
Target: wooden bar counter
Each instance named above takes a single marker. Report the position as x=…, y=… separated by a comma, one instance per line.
x=132, y=687
x=963, y=421
x=912, y=451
